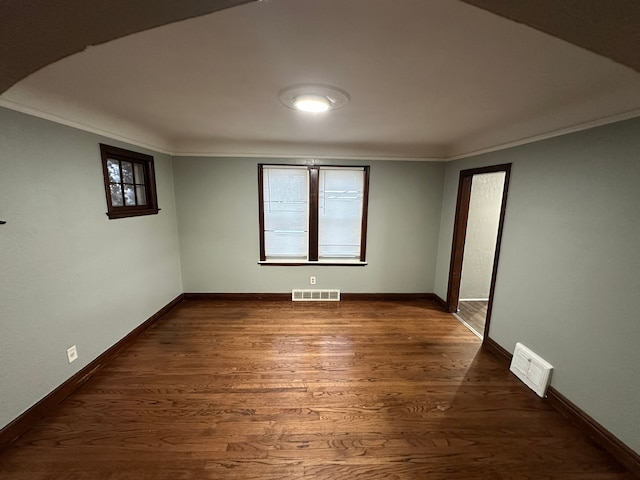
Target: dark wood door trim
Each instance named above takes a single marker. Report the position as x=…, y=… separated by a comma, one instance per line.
x=496, y=257
x=460, y=233
x=459, y=237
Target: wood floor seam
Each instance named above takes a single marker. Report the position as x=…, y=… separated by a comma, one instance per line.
x=232, y=389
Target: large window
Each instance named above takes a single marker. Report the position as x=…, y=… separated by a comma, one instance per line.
x=313, y=214
x=129, y=182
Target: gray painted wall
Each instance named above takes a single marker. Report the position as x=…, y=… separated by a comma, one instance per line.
x=68, y=274
x=568, y=277
x=482, y=233
x=566, y=286
x=217, y=202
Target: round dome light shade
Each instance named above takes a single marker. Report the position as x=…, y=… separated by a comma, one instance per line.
x=312, y=103
x=313, y=98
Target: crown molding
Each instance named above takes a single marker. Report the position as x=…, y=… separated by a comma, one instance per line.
x=372, y=158
x=619, y=117
x=166, y=149
x=34, y=112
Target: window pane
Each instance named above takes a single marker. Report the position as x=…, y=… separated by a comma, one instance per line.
x=129, y=195
x=141, y=195
x=285, y=211
x=285, y=244
x=340, y=212
x=113, y=167
x=129, y=182
x=127, y=172
x=138, y=170
x=116, y=195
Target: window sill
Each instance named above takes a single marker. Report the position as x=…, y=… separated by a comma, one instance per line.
x=323, y=263
x=132, y=213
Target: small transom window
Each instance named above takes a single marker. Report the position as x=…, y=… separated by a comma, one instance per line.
x=129, y=181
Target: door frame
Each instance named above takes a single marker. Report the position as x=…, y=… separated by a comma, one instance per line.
x=460, y=234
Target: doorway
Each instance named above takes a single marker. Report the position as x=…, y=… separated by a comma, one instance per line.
x=480, y=211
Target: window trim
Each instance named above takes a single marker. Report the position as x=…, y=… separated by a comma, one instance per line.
x=115, y=153
x=314, y=187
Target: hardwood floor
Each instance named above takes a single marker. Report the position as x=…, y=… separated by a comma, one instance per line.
x=474, y=313
x=282, y=390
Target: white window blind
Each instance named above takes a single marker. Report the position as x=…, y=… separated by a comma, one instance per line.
x=313, y=213
x=286, y=212
x=340, y=201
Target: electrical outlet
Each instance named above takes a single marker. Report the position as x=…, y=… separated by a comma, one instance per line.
x=312, y=280
x=72, y=353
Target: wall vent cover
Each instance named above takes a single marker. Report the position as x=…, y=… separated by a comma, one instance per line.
x=315, y=295
x=531, y=369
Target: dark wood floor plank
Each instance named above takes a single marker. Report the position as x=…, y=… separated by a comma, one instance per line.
x=279, y=390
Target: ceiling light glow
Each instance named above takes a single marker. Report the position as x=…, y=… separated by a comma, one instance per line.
x=312, y=103
x=313, y=98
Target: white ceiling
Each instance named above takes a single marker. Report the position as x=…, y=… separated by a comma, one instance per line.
x=427, y=79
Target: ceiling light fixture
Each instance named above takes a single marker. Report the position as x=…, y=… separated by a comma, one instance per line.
x=312, y=103
x=313, y=98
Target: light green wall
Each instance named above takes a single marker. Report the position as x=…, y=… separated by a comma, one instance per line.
x=217, y=202
x=569, y=272
x=567, y=281
x=68, y=274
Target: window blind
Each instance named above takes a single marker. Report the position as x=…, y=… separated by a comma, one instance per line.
x=286, y=211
